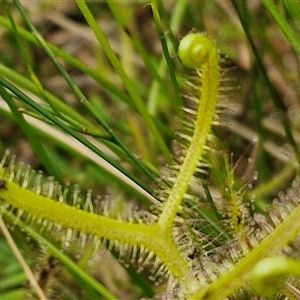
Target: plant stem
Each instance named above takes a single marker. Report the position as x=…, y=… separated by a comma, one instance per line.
x=231, y=281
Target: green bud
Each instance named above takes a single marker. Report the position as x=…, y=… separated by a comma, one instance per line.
x=194, y=50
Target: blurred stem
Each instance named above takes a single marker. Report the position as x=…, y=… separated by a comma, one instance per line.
x=281, y=21
x=73, y=62
x=64, y=109
x=166, y=62
x=279, y=105
x=130, y=86
x=76, y=90
x=116, y=9
x=37, y=146
x=70, y=264
x=20, y=258
x=70, y=131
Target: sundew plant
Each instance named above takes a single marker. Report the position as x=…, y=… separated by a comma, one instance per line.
x=150, y=150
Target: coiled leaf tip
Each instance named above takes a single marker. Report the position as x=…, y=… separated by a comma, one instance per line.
x=194, y=50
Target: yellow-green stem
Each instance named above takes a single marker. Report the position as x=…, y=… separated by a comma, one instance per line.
x=231, y=281
x=205, y=115
x=149, y=236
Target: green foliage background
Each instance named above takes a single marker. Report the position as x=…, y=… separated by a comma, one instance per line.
x=100, y=99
